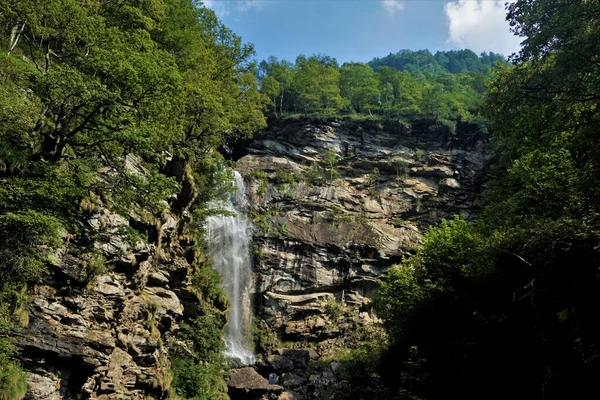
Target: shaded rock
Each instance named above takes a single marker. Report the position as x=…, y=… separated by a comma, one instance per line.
x=299, y=358
x=280, y=363
x=334, y=366
x=140, y=278
x=247, y=384
x=312, y=353
x=165, y=300
x=292, y=381
x=108, y=285
x=273, y=379
x=73, y=268
x=158, y=278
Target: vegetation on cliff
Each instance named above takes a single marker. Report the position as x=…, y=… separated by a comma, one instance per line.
x=82, y=86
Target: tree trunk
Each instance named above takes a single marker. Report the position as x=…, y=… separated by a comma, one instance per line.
x=15, y=36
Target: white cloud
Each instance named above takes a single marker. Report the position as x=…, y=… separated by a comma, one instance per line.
x=480, y=25
x=246, y=5
x=218, y=6
x=225, y=7
x=392, y=6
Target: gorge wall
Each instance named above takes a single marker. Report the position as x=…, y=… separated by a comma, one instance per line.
x=337, y=202
x=334, y=204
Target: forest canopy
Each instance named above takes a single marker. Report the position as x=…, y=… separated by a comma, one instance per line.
x=410, y=84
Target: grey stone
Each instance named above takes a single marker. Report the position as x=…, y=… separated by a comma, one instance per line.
x=280, y=363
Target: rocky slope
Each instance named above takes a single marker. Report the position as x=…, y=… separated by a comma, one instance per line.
x=103, y=323
x=337, y=202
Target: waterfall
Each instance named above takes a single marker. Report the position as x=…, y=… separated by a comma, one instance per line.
x=229, y=246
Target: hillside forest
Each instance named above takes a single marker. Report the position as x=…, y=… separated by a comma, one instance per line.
x=503, y=306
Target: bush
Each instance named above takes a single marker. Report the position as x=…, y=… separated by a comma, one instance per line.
x=374, y=177
x=194, y=380
x=334, y=309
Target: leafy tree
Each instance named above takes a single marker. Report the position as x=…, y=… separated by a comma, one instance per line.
x=317, y=85
x=359, y=84
x=271, y=88
x=407, y=91
x=552, y=103
x=282, y=71
x=453, y=61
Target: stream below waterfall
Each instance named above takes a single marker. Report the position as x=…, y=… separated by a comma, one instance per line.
x=229, y=238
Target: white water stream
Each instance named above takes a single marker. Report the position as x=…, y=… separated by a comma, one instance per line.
x=229, y=245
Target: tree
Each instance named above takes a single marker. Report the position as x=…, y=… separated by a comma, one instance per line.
x=317, y=85
x=551, y=99
x=505, y=303
x=407, y=92
x=359, y=84
x=282, y=71
x=271, y=88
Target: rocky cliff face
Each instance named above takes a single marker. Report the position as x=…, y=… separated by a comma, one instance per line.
x=337, y=202
x=100, y=324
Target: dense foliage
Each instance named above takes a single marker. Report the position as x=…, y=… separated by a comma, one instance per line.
x=85, y=84
x=507, y=307
x=395, y=89
x=453, y=61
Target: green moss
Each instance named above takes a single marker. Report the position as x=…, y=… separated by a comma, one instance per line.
x=314, y=174
x=282, y=229
x=286, y=177
x=374, y=176
x=259, y=174
x=262, y=188
x=402, y=169
x=264, y=338
x=94, y=267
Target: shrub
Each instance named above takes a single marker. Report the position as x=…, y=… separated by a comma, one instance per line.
x=374, y=177
x=334, y=309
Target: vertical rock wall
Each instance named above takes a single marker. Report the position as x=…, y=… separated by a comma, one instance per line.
x=100, y=325
x=337, y=202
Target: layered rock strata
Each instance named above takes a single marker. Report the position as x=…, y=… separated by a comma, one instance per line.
x=337, y=202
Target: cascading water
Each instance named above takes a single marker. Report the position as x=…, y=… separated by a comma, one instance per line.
x=229, y=245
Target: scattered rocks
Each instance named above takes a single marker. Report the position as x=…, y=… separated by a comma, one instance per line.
x=292, y=381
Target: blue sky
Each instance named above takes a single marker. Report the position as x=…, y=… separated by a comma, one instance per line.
x=358, y=30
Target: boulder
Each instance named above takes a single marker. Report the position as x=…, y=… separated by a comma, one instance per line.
x=280, y=363
x=247, y=384
x=299, y=358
